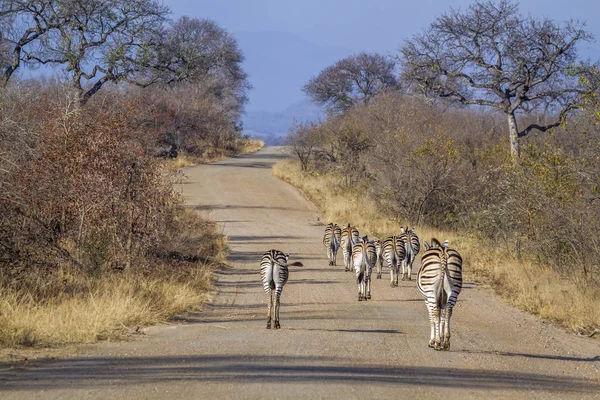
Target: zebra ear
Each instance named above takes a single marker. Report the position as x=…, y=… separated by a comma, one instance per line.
x=402, y=229
x=435, y=243
x=426, y=245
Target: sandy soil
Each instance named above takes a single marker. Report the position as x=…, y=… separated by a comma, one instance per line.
x=330, y=345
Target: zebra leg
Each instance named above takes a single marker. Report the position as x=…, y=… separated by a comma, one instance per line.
x=431, y=324
x=447, y=315
x=437, y=322
x=403, y=264
x=277, y=326
x=368, y=285
x=269, y=309
x=409, y=270
x=391, y=275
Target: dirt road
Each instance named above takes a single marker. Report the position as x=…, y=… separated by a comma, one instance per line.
x=330, y=345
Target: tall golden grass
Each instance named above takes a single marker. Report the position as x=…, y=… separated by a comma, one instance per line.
x=67, y=306
x=523, y=284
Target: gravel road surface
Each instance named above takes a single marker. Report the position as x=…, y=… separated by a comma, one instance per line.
x=330, y=345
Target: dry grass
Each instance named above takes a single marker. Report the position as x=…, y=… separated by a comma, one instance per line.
x=570, y=303
x=251, y=146
x=66, y=306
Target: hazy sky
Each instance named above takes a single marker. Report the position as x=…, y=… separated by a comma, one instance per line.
x=340, y=28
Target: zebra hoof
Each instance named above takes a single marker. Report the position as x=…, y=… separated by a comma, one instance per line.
x=378, y=276
x=277, y=326
x=431, y=344
x=269, y=325
x=403, y=278
x=446, y=346
x=437, y=346
x=360, y=298
x=330, y=263
x=369, y=296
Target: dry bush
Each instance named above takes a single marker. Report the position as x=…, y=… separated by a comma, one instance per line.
x=67, y=305
x=93, y=238
x=525, y=284
x=189, y=118
x=429, y=165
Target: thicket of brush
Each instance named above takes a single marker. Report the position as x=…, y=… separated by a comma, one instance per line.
x=93, y=237
x=529, y=230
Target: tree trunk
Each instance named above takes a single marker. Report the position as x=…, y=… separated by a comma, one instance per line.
x=513, y=133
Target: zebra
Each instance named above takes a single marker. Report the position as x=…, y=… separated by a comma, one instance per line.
x=411, y=243
x=393, y=252
x=348, y=238
x=364, y=257
x=440, y=281
x=331, y=241
x=274, y=274
x=379, y=264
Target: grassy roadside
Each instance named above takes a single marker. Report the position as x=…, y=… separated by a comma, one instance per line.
x=522, y=284
x=67, y=306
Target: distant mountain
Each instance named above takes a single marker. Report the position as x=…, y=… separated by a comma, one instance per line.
x=280, y=63
x=270, y=126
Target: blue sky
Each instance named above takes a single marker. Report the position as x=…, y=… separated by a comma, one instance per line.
x=338, y=28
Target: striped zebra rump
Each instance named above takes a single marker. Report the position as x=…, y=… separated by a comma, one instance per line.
x=364, y=257
x=393, y=253
x=346, y=245
x=440, y=282
x=412, y=246
x=331, y=241
x=355, y=235
x=274, y=274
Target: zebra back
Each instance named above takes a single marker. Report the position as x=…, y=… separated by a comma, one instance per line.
x=337, y=231
x=365, y=252
x=330, y=239
x=393, y=250
x=274, y=270
x=346, y=238
x=411, y=242
x=440, y=265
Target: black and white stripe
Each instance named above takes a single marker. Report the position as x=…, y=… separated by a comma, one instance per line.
x=331, y=241
x=274, y=274
x=393, y=253
x=364, y=257
x=349, y=237
x=412, y=246
x=440, y=281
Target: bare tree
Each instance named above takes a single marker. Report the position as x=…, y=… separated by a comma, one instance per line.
x=352, y=80
x=199, y=50
x=101, y=41
x=23, y=23
x=492, y=56
x=303, y=139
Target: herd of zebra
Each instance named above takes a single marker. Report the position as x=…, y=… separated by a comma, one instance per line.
x=439, y=279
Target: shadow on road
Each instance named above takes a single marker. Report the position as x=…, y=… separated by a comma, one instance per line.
x=97, y=372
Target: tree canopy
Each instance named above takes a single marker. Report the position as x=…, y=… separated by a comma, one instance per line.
x=491, y=55
x=352, y=80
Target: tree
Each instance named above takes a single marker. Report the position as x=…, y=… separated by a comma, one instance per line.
x=199, y=50
x=352, y=80
x=492, y=56
x=22, y=23
x=303, y=139
x=99, y=41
